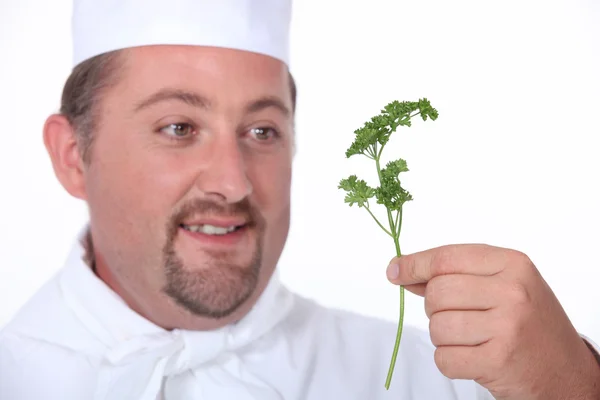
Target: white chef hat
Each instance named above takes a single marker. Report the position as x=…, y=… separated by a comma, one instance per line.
x=260, y=26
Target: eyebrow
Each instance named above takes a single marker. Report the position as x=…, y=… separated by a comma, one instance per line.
x=196, y=100
x=268, y=102
x=190, y=98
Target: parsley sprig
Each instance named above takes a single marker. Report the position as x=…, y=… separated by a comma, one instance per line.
x=370, y=141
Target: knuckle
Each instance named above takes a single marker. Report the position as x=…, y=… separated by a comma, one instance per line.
x=514, y=332
x=410, y=266
x=513, y=328
x=499, y=358
x=435, y=293
x=443, y=260
x=431, y=293
x=522, y=263
x=429, y=305
x=495, y=361
x=518, y=294
x=520, y=258
x=444, y=363
x=435, y=330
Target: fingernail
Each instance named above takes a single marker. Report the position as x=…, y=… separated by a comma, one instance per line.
x=393, y=271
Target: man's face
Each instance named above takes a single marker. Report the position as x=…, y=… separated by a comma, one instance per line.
x=189, y=181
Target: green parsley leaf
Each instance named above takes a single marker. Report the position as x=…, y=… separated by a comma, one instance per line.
x=358, y=191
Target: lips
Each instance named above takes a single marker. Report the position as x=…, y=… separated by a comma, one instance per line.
x=226, y=237
x=216, y=231
x=217, y=222
x=210, y=229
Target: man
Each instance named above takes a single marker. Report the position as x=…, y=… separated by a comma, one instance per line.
x=176, y=128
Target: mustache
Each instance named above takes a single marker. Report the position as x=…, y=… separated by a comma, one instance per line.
x=203, y=207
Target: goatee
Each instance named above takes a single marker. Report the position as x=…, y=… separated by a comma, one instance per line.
x=220, y=287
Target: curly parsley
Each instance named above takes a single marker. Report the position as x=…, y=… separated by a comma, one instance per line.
x=370, y=141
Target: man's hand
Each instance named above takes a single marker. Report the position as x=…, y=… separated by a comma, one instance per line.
x=494, y=320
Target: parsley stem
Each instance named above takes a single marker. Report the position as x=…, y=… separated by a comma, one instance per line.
x=398, y=336
x=400, y=322
x=378, y=223
x=398, y=225
x=389, y=213
x=379, y=155
x=395, y=228
x=397, y=221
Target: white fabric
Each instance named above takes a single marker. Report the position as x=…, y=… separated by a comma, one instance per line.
x=593, y=346
x=76, y=339
x=260, y=26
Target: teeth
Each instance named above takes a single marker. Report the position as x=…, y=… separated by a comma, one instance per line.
x=210, y=229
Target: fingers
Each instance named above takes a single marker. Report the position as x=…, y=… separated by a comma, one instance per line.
x=462, y=292
x=461, y=328
x=418, y=289
x=472, y=259
x=460, y=362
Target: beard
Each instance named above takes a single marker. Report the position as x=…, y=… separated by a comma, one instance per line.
x=221, y=287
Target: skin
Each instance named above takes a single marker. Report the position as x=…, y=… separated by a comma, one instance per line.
x=147, y=175
x=493, y=319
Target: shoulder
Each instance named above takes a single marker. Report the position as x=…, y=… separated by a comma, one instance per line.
x=46, y=317
x=41, y=351
x=32, y=369
x=37, y=313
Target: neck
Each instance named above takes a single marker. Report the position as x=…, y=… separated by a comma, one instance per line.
x=89, y=256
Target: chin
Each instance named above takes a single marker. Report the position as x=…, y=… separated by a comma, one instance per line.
x=216, y=288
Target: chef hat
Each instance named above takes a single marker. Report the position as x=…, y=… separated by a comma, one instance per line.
x=260, y=26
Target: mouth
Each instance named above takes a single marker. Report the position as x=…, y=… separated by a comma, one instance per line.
x=208, y=229
x=217, y=234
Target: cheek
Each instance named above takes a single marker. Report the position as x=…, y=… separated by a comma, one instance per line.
x=135, y=185
x=271, y=181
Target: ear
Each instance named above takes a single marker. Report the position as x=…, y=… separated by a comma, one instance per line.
x=61, y=144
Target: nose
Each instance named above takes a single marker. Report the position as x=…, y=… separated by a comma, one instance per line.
x=225, y=176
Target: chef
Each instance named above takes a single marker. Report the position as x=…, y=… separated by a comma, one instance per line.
x=176, y=128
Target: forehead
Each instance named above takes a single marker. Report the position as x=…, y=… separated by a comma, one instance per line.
x=222, y=75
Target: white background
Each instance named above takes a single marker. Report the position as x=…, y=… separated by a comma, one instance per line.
x=512, y=160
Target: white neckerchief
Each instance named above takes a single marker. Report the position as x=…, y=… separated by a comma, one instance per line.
x=139, y=355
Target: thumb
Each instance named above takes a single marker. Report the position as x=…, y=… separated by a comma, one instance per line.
x=418, y=289
x=392, y=273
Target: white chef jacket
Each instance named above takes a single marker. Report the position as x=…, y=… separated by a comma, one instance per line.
x=77, y=340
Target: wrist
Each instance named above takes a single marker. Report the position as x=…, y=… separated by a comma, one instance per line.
x=595, y=351
x=579, y=380
x=596, y=354
x=590, y=387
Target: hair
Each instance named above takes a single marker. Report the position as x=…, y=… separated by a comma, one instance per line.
x=82, y=95
x=83, y=90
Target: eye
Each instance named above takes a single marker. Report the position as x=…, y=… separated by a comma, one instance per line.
x=178, y=131
x=264, y=134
